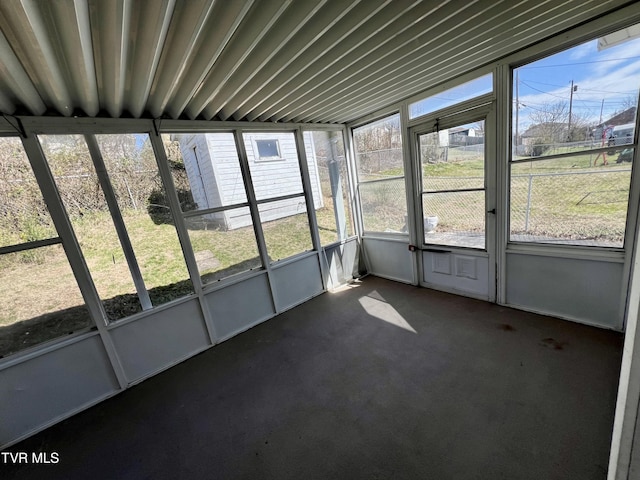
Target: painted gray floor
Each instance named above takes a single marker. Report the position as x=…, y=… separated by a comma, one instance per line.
x=380, y=380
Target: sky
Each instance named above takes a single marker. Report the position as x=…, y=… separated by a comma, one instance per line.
x=612, y=75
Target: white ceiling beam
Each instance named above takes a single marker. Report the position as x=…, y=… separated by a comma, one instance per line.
x=322, y=23
x=150, y=22
x=365, y=33
x=110, y=27
x=288, y=25
x=339, y=33
x=15, y=79
x=188, y=24
x=70, y=25
x=390, y=43
x=247, y=37
x=225, y=20
x=6, y=105
x=420, y=71
x=479, y=18
x=32, y=43
x=541, y=25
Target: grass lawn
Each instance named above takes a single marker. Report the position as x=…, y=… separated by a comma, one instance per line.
x=566, y=199
x=43, y=276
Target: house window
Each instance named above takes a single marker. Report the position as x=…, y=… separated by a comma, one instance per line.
x=268, y=150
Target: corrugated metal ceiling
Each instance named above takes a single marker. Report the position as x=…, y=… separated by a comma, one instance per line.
x=269, y=60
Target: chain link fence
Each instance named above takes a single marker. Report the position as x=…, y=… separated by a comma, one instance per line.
x=384, y=205
x=584, y=207
x=376, y=164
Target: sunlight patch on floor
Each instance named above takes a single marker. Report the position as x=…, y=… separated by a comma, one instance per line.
x=376, y=306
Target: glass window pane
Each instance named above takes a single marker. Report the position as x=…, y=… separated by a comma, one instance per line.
x=328, y=174
x=454, y=218
x=569, y=201
x=24, y=217
x=273, y=176
x=453, y=159
x=84, y=201
x=134, y=176
x=582, y=98
x=224, y=243
x=384, y=206
x=286, y=228
x=466, y=91
x=206, y=170
x=40, y=299
x=378, y=148
x=268, y=148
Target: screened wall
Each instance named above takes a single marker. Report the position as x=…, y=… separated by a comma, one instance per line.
x=216, y=205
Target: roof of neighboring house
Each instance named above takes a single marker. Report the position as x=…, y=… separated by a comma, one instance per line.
x=541, y=129
x=627, y=116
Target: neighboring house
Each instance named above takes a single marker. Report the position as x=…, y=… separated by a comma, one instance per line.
x=465, y=136
x=625, y=117
x=551, y=132
x=215, y=178
x=546, y=133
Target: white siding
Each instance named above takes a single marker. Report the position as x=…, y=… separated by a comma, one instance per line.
x=274, y=178
x=218, y=182
x=228, y=177
x=200, y=171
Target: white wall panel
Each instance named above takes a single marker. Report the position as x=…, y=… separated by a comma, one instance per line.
x=389, y=259
x=155, y=342
x=42, y=390
x=342, y=262
x=579, y=289
x=240, y=306
x=296, y=281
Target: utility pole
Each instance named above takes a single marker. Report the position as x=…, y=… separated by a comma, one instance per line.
x=517, y=110
x=573, y=89
x=601, y=109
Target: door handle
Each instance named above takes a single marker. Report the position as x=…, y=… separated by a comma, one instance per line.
x=493, y=210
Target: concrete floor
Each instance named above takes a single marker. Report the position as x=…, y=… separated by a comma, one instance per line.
x=380, y=380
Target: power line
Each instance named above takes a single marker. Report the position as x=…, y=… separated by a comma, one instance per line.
x=541, y=91
x=628, y=92
x=580, y=63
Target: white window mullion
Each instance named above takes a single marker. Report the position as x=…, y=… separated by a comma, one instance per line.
x=72, y=249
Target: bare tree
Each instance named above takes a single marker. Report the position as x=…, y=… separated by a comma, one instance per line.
x=550, y=124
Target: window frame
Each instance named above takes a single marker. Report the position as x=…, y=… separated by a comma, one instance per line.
x=271, y=158
x=615, y=253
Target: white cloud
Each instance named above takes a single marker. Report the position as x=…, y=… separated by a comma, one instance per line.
x=585, y=50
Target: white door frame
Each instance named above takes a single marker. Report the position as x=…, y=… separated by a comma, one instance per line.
x=459, y=115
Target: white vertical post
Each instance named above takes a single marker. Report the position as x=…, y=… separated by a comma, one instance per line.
x=502, y=89
x=625, y=437
x=118, y=221
x=72, y=249
x=255, y=213
x=181, y=229
x=413, y=196
x=335, y=179
x=308, y=196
